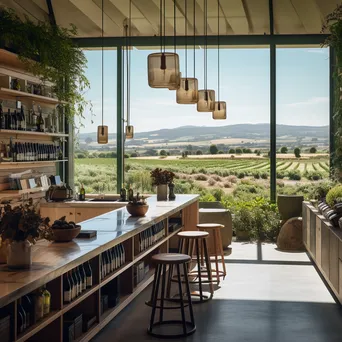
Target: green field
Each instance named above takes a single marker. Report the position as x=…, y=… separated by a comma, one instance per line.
x=99, y=174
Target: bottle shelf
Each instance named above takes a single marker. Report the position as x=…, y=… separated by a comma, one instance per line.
x=22, y=94
x=31, y=133
x=20, y=192
x=79, y=299
x=34, y=162
x=116, y=273
x=38, y=326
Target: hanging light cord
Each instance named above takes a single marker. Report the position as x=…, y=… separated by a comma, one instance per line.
x=205, y=45
x=218, y=49
x=164, y=26
x=129, y=66
x=174, y=26
x=194, y=38
x=161, y=25
x=186, y=39
x=127, y=75
x=102, y=62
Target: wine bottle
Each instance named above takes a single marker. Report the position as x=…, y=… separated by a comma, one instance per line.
x=82, y=193
x=83, y=277
x=109, y=262
x=66, y=289
x=40, y=121
x=39, y=305
x=130, y=194
x=123, y=193
x=8, y=119
x=29, y=310
x=23, y=314
x=74, y=277
x=20, y=322
x=73, y=285
x=47, y=301
x=2, y=117
x=79, y=286
x=89, y=274
x=123, y=258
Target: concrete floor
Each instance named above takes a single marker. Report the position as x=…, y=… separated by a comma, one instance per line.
x=267, y=296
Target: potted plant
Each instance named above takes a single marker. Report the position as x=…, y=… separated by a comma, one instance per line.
x=242, y=224
x=161, y=179
x=20, y=227
x=137, y=206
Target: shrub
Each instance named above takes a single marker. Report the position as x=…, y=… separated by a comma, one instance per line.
x=220, y=152
x=201, y=177
x=283, y=149
x=334, y=195
x=80, y=155
x=238, y=151
x=163, y=153
x=256, y=175
x=231, y=150
x=280, y=174
x=203, y=170
x=218, y=194
x=241, y=175
x=232, y=179
x=313, y=150
x=134, y=154
x=211, y=181
x=280, y=183
x=213, y=149
x=199, y=152
x=217, y=178
x=314, y=175
x=126, y=155
x=294, y=175
x=259, y=153
x=227, y=184
x=264, y=175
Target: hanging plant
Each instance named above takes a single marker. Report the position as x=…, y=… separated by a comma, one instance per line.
x=49, y=53
x=333, y=26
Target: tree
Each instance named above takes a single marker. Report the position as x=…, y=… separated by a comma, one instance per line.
x=238, y=151
x=199, y=152
x=313, y=150
x=296, y=152
x=231, y=150
x=163, y=153
x=283, y=149
x=151, y=152
x=213, y=149
x=134, y=155
x=247, y=150
x=220, y=152
x=88, y=140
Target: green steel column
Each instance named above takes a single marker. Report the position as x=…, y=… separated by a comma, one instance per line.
x=119, y=121
x=273, y=121
x=332, y=61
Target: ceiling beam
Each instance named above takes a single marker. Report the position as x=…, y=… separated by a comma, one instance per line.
x=309, y=14
x=51, y=13
x=236, y=16
x=28, y=8
x=94, y=13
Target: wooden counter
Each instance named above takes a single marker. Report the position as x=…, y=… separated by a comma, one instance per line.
x=52, y=260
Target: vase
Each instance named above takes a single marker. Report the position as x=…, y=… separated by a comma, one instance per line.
x=172, y=195
x=19, y=255
x=162, y=192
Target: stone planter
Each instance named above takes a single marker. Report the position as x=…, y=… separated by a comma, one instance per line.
x=19, y=255
x=290, y=206
x=162, y=192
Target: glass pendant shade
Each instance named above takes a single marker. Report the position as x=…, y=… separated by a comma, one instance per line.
x=219, y=112
x=206, y=100
x=163, y=70
x=129, y=132
x=102, y=134
x=187, y=93
x=175, y=87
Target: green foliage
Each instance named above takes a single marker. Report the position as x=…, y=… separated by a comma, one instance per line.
x=162, y=153
x=241, y=175
x=232, y=151
x=334, y=195
x=314, y=175
x=80, y=155
x=199, y=152
x=60, y=61
x=238, y=151
x=220, y=152
x=213, y=149
x=264, y=175
x=134, y=154
x=313, y=150
x=296, y=152
x=294, y=175
x=284, y=149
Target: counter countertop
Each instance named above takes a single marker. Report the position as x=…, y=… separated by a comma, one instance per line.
x=51, y=260
x=83, y=204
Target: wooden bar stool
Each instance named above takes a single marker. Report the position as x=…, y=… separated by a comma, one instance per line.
x=187, y=327
x=194, y=244
x=215, y=247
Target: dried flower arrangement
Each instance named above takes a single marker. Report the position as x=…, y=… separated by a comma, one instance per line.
x=160, y=176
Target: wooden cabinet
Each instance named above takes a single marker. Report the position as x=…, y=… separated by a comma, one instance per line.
x=82, y=214
x=313, y=214
x=318, y=241
x=334, y=261
x=340, y=278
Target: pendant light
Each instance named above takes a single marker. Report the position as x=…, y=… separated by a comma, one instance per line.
x=206, y=97
x=102, y=131
x=220, y=106
x=187, y=93
x=129, y=130
x=163, y=67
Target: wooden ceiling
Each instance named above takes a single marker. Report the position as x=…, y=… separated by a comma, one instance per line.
x=237, y=17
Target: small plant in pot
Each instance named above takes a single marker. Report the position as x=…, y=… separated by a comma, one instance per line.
x=161, y=179
x=20, y=227
x=137, y=206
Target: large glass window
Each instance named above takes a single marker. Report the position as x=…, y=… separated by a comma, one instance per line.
x=216, y=158
x=95, y=165
x=302, y=117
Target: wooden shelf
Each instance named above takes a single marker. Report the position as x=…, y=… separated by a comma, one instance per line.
x=116, y=273
x=20, y=192
x=22, y=94
x=45, y=162
x=38, y=326
x=10, y=131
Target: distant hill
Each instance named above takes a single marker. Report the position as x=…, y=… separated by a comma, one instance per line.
x=241, y=131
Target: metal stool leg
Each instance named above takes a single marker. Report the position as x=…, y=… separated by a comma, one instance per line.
x=216, y=258
x=208, y=265
x=222, y=254
x=199, y=271
x=181, y=299
x=155, y=295
x=191, y=311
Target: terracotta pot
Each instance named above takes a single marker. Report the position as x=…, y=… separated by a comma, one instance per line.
x=65, y=235
x=19, y=254
x=162, y=192
x=290, y=206
x=137, y=210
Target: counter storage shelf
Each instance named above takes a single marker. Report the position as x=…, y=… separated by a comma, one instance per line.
x=22, y=95
x=31, y=133
x=112, y=228
x=20, y=192
x=4, y=165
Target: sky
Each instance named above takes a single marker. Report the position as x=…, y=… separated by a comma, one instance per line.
x=302, y=89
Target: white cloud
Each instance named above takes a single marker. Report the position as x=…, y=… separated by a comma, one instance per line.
x=310, y=102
